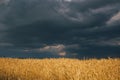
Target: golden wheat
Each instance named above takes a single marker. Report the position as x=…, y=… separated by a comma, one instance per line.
x=59, y=69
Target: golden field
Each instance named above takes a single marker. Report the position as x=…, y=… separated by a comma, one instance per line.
x=59, y=69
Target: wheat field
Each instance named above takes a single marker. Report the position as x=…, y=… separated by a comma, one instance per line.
x=59, y=69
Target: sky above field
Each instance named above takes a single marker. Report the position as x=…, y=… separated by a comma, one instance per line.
x=59, y=28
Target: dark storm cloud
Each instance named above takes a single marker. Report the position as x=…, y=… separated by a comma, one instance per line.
x=44, y=26
x=90, y=12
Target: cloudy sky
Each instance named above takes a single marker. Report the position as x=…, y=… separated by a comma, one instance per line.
x=60, y=28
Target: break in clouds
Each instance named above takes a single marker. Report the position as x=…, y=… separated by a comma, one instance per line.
x=70, y=28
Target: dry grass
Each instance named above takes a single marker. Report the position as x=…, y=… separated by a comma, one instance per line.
x=59, y=69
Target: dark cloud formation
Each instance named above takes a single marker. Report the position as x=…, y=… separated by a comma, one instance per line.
x=60, y=28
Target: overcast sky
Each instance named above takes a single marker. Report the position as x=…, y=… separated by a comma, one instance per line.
x=60, y=28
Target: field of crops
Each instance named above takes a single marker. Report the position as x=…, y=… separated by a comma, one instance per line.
x=59, y=69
